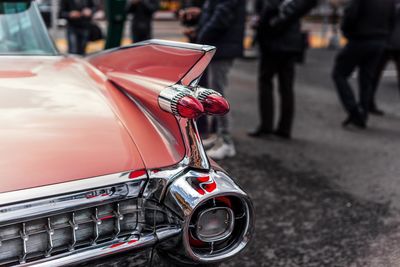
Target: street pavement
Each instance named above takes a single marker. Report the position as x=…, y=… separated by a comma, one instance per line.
x=330, y=196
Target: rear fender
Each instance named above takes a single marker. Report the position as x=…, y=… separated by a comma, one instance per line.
x=143, y=70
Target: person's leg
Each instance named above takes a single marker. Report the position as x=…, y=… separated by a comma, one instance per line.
x=345, y=64
x=85, y=40
x=396, y=59
x=267, y=70
x=224, y=146
x=372, y=55
x=82, y=40
x=219, y=80
x=139, y=36
x=373, y=108
x=286, y=77
x=72, y=40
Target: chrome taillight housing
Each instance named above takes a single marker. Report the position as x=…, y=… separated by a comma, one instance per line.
x=217, y=215
x=192, y=102
x=180, y=103
x=213, y=102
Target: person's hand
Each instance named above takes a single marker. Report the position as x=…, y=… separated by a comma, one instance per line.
x=74, y=14
x=190, y=13
x=87, y=12
x=190, y=33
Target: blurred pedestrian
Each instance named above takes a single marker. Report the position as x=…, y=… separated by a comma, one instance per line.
x=392, y=52
x=282, y=43
x=142, y=11
x=78, y=14
x=221, y=24
x=367, y=25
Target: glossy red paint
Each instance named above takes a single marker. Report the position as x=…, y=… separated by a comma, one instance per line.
x=159, y=62
x=65, y=118
x=196, y=72
x=4, y=74
x=58, y=126
x=142, y=73
x=155, y=133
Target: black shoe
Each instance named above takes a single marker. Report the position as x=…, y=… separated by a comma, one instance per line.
x=259, y=132
x=376, y=111
x=357, y=122
x=283, y=135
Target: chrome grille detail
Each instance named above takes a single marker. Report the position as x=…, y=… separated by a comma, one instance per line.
x=43, y=237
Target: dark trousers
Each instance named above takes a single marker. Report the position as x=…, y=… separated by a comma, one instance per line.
x=364, y=55
x=281, y=65
x=139, y=36
x=386, y=57
x=77, y=40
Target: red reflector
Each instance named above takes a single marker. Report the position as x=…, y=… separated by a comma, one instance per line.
x=215, y=105
x=189, y=107
x=205, y=184
x=137, y=174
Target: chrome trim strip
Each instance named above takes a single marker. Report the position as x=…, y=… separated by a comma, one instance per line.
x=106, y=249
x=46, y=206
x=65, y=188
x=198, y=47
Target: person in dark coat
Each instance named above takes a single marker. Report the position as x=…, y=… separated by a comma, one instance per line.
x=281, y=44
x=367, y=25
x=142, y=11
x=392, y=52
x=78, y=14
x=221, y=23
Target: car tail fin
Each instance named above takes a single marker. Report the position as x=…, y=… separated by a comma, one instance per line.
x=166, y=61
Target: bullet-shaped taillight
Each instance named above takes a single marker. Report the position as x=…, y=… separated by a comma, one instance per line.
x=189, y=107
x=213, y=102
x=180, y=103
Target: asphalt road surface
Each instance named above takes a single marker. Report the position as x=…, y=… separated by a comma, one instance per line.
x=329, y=197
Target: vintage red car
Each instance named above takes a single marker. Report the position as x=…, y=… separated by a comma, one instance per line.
x=100, y=158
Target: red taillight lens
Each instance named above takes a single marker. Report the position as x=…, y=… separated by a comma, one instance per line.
x=189, y=107
x=215, y=105
x=138, y=174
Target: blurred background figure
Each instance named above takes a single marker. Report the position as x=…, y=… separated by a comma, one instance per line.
x=392, y=52
x=142, y=11
x=78, y=14
x=334, y=42
x=221, y=23
x=282, y=43
x=367, y=25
